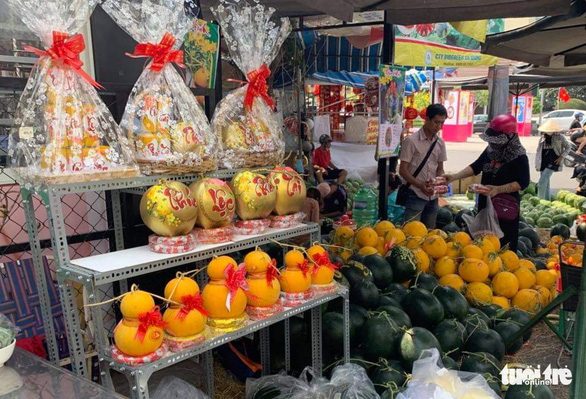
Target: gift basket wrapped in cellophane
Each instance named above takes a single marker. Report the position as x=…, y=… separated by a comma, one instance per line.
x=244, y=122
x=62, y=130
x=163, y=119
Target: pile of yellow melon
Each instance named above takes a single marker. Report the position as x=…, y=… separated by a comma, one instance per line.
x=483, y=271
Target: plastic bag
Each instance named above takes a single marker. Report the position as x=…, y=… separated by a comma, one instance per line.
x=172, y=387
x=163, y=119
x=353, y=381
x=8, y=331
x=62, y=130
x=486, y=222
x=431, y=380
x=249, y=133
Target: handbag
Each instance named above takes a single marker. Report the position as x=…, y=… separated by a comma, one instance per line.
x=403, y=190
x=506, y=207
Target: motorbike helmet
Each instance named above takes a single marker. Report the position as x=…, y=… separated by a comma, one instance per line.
x=504, y=124
x=578, y=115
x=325, y=138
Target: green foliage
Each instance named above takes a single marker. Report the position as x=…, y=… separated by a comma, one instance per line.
x=421, y=100
x=480, y=98
x=550, y=99
x=537, y=106
x=574, y=103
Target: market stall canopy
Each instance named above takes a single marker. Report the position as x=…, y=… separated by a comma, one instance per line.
x=554, y=42
x=352, y=79
x=530, y=69
x=406, y=12
x=515, y=82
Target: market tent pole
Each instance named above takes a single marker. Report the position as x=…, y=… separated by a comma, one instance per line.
x=383, y=163
x=298, y=88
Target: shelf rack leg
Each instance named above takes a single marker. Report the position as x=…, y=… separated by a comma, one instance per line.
x=346, y=329
x=265, y=351
x=105, y=375
x=316, y=340
x=40, y=276
x=70, y=312
x=118, y=230
x=139, y=383
x=99, y=313
x=287, y=346
x=208, y=363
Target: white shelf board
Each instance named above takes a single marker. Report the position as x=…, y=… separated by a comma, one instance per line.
x=114, y=261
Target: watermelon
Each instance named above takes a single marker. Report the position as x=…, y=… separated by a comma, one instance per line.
x=365, y=294
x=532, y=235
x=444, y=217
x=539, y=264
x=526, y=197
x=449, y=363
x=527, y=241
x=492, y=312
x=518, y=317
x=424, y=309
x=506, y=330
x=403, y=263
x=397, y=315
x=451, y=228
x=560, y=230
x=396, y=291
x=386, y=300
x=333, y=330
x=581, y=231
x=473, y=323
x=355, y=271
x=424, y=281
x=267, y=392
x=358, y=258
x=452, y=336
x=379, y=336
x=482, y=363
x=387, y=373
x=534, y=201
x=414, y=341
x=529, y=391
x=531, y=189
x=479, y=313
x=459, y=217
x=380, y=269
x=340, y=279
x=454, y=303
x=488, y=341
x=522, y=248
x=544, y=223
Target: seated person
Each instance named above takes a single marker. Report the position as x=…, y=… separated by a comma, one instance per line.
x=335, y=202
x=312, y=205
x=396, y=212
x=322, y=162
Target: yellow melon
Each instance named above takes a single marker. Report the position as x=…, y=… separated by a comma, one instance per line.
x=472, y=251
x=257, y=261
x=510, y=260
x=452, y=280
x=423, y=261
x=494, y=262
x=478, y=294
x=382, y=227
x=501, y=301
x=395, y=234
x=505, y=284
x=366, y=237
x=527, y=264
x=445, y=265
x=367, y=251
x=526, y=277
x=435, y=246
x=527, y=300
x=415, y=229
x=462, y=238
x=453, y=250
x=473, y=270
x=545, y=279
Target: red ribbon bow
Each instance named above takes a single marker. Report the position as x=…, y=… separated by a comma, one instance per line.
x=321, y=259
x=191, y=302
x=65, y=50
x=235, y=279
x=161, y=53
x=258, y=87
x=272, y=272
x=151, y=318
x=304, y=267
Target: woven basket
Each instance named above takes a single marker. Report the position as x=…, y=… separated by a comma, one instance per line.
x=162, y=168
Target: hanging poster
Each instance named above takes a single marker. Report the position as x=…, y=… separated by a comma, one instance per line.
x=201, y=53
x=452, y=103
x=391, y=94
x=440, y=45
x=518, y=110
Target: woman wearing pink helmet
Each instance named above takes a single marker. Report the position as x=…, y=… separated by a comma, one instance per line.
x=505, y=171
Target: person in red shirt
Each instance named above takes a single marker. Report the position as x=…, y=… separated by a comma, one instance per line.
x=322, y=163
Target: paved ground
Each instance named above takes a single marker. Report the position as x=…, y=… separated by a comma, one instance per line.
x=463, y=154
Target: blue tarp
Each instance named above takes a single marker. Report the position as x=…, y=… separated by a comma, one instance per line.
x=352, y=79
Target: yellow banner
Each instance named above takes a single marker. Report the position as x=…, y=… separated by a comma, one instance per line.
x=411, y=52
x=474, y=29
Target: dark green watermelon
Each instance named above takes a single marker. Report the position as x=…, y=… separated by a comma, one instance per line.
x=529, y=391
x=403, y=263
x=365, y=294
x=333, y=330
x=581, y=231
x=492, y=312
x=506, y=330
x=380, y=269
x=522, y=249
x=357, y=357
x=379, y=337
x=450, y=363
x=387, y=374
x=413, y=342
x=452, y=336
x=474, y=322
x=532, y=235
x=494, y=384
x=424, y=309
x=355, y=271
x=560, y=230
x=451, y=228
x=424, y=281
x=396, y=291
x=518, y=317
x=341, y=279
x=488, y=341
x=267, y=392
x=481, y=363
x=357, y=257
x=528, y=243
x=397, y=315
x=459, y=217
x=539, y=264
x=479, y=313
x=444, y=217
x=387, y=300
x=454, y=303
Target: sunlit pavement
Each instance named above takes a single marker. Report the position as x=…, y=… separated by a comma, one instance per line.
x=463, y=154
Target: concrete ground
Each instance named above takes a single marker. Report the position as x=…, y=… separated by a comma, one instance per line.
x=461, y=155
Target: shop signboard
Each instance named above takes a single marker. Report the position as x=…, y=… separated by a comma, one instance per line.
x=391, y=97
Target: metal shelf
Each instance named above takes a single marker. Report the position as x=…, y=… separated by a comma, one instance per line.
x=127, y=263
x=173, y=358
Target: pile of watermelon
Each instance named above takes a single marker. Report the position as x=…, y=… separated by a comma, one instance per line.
x=396, y=313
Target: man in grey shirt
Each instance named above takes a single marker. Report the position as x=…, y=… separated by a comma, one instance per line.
x=421, y=202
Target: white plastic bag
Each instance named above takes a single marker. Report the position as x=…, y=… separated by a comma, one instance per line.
x=172, y=387
x=485, y=223
x=248, y=132
x=353, y=381
x=430, y=380
x=163, y=119
x=63, y=132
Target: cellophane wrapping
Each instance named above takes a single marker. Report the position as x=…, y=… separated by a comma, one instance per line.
x=62, y=130
x=167, y=126
x=249, y=136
